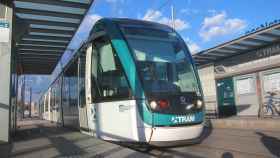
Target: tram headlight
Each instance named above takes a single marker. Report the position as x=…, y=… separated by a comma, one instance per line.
x=199, y=104
x=153, y=105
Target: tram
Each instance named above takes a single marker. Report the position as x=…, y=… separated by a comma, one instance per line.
x=141, y=84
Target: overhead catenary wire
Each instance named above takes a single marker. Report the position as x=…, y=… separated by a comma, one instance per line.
x=160, y=8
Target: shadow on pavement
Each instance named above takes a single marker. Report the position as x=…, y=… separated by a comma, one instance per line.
x=227, y=155
x=5, y=149
x=64, y=144
x=271, y=143
x=48, y=140
x=37, y=132
x=66, y=147
x=169, y=152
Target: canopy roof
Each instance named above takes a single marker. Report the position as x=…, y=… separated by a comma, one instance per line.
x=43, y=29
x=246, y=43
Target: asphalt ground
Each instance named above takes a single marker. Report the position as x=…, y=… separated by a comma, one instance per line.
x=42, y=139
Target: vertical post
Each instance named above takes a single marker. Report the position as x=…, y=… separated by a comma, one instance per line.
x=30, y=101
x=79, y=80
x=16, y=102
x=23, y=96
x=172, y=17
x=79, y=89
x=6, y=20
x=259, y=95
x=61, y=98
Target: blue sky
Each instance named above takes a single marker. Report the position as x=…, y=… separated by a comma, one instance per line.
x=202, y=23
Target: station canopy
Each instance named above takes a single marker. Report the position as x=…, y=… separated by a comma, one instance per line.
x=43, y=29
x=244, y=44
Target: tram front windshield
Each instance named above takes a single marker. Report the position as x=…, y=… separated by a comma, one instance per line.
x=161, y=60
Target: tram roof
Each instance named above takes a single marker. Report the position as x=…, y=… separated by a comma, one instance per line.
x=140, y=23
x=43, y=30
x=243, y=44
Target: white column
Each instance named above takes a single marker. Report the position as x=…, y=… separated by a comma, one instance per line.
x=6, y=14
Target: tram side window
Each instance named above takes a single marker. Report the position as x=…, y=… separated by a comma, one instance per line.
x=109, y=75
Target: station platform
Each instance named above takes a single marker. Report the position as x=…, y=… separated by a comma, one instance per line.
x=42, y=139
x=247, y=123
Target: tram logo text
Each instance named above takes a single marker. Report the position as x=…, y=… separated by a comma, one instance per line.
x=183, y=119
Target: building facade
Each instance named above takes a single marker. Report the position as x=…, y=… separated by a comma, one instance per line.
x=240, y=79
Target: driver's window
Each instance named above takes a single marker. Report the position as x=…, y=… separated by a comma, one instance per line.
x=109, y=75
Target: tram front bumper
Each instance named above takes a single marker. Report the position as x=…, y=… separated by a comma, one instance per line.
x=172, y=136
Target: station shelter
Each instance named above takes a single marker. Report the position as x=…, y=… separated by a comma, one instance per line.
x=34, y=36
x=242, y=77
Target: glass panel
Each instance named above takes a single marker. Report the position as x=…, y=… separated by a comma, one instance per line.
x=70, y=96
x=2, y=11
x=264, y=38
x=275, y=32
x=272, y=82
x=82, y=98
x=41, y=50
x=48, y=18
x=49, y=34
x=94, y=88
x=46, y=7
x=250, y=43
x=52, y=27
x=44, y=40
x=245, y=86
x=110, y=77
x=161, y=60
x=42, y=45
x=236, y=47
x=57, y=105
x=52, y=100
x=79, y=1
x=82, y=65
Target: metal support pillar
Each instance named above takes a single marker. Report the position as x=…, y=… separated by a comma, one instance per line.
x=30, y=101
x=260, y=96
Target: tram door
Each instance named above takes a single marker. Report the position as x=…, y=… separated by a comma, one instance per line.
x=82, y=98
x=112, y=108
x=91, y=110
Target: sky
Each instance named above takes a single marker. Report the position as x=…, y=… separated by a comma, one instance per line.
x=37, y=83
x=202, y=23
